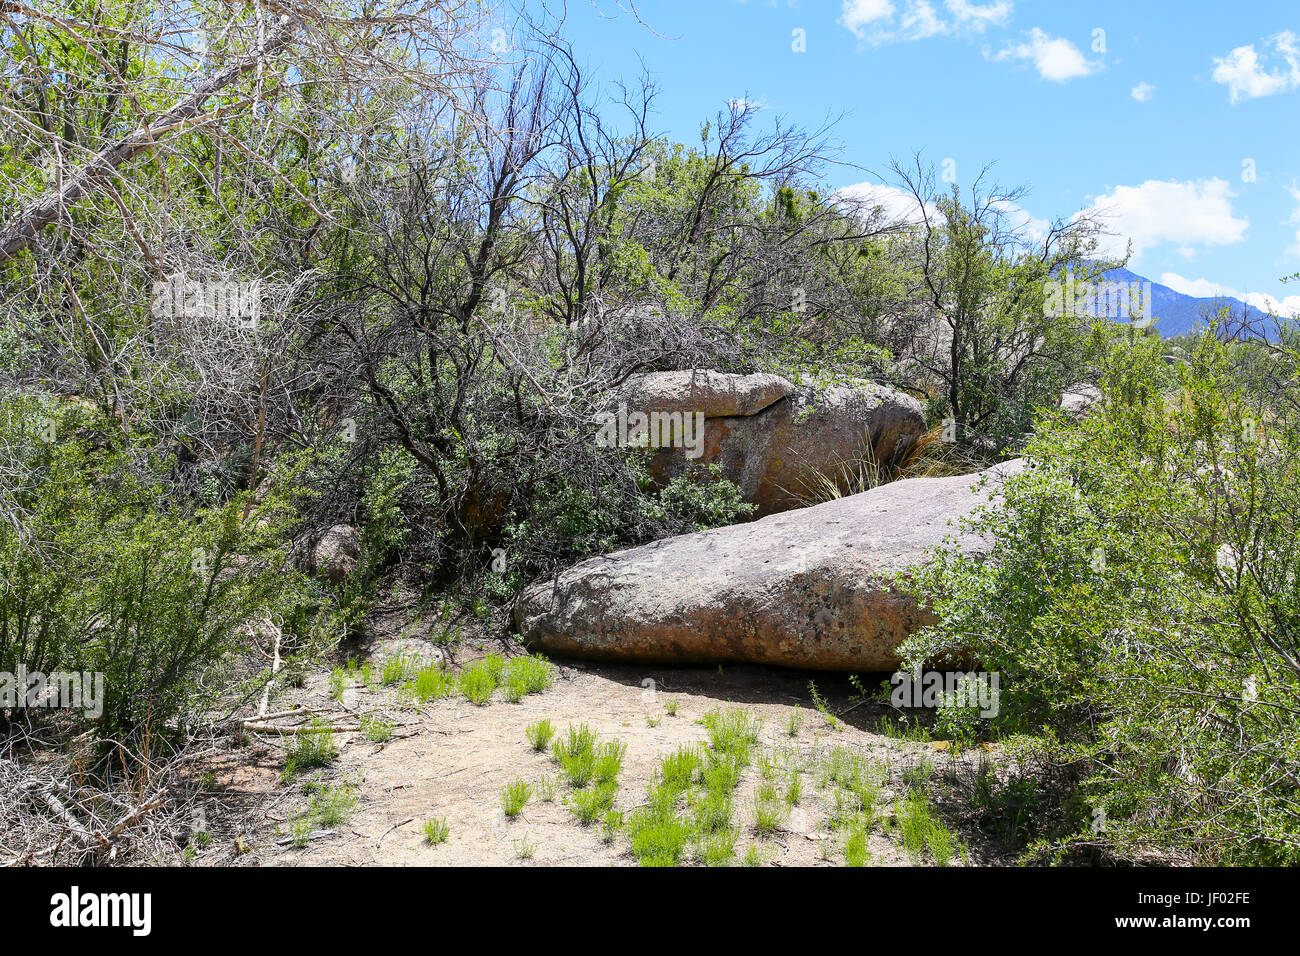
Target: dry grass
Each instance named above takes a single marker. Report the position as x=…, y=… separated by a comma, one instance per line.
x=925, y=456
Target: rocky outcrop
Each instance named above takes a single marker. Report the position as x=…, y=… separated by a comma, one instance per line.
x=776, y=442
x=808, y=588
x=336, y=553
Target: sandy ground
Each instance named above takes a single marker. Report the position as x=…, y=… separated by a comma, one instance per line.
x=450, y=759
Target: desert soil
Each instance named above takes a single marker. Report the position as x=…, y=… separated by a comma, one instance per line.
x=450, y=759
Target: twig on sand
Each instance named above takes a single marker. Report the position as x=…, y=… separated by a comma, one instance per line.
x=400, y=823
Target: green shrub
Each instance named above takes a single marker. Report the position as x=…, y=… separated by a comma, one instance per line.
x=514, y=796
x=105, y=572
x=591, y=804
x=1141, y=603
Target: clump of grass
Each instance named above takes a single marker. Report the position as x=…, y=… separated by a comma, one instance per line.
x=479, y=680
x=525, y=848
x=436, y=830
x=513, y=797
x=943, y=844
x=609, y=761
x=589, y=805
x=702, y=780
x=671, y=707
x=313, y=747
x=718, y=848
x=732, y=732
x=338, y=683
x=904, y=728
x=794, y=792
x=433, y=682
x=658, y=838
x=921, y=830
x=855, y=845
x=333, y=805
x=397, y=669
x=722, y=772
x=769, y=810
x=652, y=721
x=847, y=810
x=681, y=768
x=546, y=789
x=712, y=812
x=301, y=827
x=754, y=856
x=794, y=722
x=539, y=734
x=576, y=755
x=610, y=825
x=376, y=728
x=917, y=775
x=527, y=675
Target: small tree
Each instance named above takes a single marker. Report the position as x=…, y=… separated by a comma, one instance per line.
x=992, y=348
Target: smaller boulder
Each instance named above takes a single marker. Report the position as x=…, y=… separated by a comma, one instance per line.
x=336, y=553
x=1078, y=400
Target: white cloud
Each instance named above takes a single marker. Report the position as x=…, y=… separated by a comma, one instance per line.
x=920, y=21
x=899, y=205
x=1022, y=221
x=1288, y=307
x=880, y=21
x=1192, y=214
x=1056, y=59
x=1142, y=92
x=1207, y=289
x=979, y=15
x=895, y=204
x=858, y=15
x=1200, y=288
x=1246, y=75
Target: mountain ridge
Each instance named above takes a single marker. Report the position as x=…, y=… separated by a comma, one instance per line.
x=1177, y=313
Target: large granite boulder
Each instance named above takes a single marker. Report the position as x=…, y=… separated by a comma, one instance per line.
x=778, y=443
x=806, y=588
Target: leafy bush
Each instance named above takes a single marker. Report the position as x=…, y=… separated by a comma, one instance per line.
x=1142, y=603
x=106, y=571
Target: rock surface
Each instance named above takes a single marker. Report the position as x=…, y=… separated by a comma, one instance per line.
x=336, y=553
x=1078, y=400
x=716, y=394
x=773, y=440
x=804, y=589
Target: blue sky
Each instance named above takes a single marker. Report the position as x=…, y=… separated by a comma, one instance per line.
x=1180, y=119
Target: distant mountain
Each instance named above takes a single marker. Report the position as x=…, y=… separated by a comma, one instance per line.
x=1177, y=313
